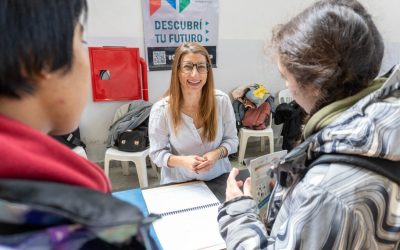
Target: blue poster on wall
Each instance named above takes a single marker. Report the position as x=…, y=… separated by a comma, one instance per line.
x=169, y=23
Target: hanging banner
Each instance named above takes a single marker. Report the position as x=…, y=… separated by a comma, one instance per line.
x=169, y=23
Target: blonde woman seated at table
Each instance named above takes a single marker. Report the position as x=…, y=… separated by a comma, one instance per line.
x=192, y=129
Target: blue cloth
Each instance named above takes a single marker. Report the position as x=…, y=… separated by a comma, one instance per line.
x=135, y=197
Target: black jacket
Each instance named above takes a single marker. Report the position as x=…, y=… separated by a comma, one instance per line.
x=292, y=116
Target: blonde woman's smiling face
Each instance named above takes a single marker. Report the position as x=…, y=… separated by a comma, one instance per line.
x=192, y=80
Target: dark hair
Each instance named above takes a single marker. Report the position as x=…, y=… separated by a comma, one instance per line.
x=36, y=35
x=333, y=44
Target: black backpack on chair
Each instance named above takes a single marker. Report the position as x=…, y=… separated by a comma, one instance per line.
x=71, y=140
x=133, y=140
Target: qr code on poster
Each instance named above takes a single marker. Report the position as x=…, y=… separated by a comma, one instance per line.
x=159, y=58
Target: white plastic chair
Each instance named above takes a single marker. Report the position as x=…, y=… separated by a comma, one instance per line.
x=245, y=134
x=284, y=96
x=80, y=151
x=138, y=158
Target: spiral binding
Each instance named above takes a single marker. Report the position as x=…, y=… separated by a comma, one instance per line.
x=190, y=209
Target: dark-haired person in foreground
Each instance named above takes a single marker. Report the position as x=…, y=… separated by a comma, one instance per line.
x=50, y=197
x=329, y=56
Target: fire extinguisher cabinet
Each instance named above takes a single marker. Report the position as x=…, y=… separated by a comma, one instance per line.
x=118, y=74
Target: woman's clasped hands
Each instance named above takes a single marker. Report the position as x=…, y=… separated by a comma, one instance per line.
x=201, y=164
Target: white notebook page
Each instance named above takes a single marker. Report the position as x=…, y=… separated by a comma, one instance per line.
x=191, y=229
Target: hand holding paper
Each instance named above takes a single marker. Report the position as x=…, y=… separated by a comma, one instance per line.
x=233, y=187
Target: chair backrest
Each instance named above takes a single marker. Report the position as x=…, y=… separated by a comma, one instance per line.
x=80, y=151
x=284, y=96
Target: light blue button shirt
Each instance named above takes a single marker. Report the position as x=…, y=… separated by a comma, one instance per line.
x=187, y=140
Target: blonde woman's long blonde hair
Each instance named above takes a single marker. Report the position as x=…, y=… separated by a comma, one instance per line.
x=208, y=110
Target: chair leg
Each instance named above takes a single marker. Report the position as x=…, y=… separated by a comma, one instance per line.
x=262, y=138
x=107, y=166
x=141, y=170
x=125, y=167
x=271, y=144
x=242, y=148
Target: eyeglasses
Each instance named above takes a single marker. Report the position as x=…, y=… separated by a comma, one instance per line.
x=187, y=67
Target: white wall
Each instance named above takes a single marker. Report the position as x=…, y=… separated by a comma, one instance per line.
x=244, y=26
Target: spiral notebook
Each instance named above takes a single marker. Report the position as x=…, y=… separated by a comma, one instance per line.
x=188, y=216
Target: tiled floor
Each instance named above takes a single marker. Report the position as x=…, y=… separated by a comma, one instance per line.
x=123, y=182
